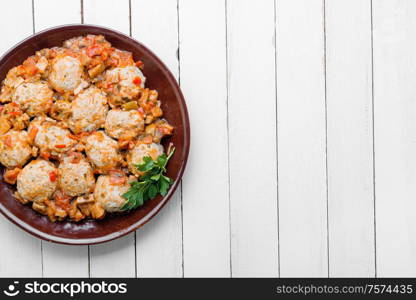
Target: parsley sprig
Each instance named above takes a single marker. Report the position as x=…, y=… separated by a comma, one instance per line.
x=151, y=183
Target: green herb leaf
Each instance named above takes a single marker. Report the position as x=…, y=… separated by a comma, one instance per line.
x=151, y=183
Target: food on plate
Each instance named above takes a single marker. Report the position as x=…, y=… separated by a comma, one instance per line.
x=124, y=124
x=37, y=181
x=103, y=152
x=108, y=194
x=88, y=111
x=75, y=175
x=136, y=155
x=15, y=149
x=81, y=133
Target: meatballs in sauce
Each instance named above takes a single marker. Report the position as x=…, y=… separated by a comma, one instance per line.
x=75, y=121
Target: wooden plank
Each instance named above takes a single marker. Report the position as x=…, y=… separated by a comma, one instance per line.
x=301, y=138
x=49, y=13
x=350, y=138
x=61, y=260
x=159, y=243
x=13, y=263
x=202, y=36
x=109, y=13
x=394, y=48
x=64, y=261
x=251, y=73
x=115, y=258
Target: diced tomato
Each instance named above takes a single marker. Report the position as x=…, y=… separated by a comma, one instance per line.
x=15, y=113
x=10, y=176
x=113, y=62
x=126, y=58
x=94, y=50
x=76, y=157
x=1, y=108
x=52, y=176
x=104, y=55
x=148, y=139
x=60, y=146
x=62, y=200
x=33, y=132
x=117, y=177
x=7, y=140
x=137, y=80
x=69, y=52
x=164, y=130
x=45, y=155
x=30, y=66
x=139, y=64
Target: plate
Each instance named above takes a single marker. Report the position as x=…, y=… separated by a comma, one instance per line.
x=114, y=226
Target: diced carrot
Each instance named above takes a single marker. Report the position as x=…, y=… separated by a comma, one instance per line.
x=137, y=80
x=117, y=177
x=7, y=140
x=60, y=146
x=94, y=50
x=139, y=64
x=74, y=137
x=52, y=176
x=33, y=132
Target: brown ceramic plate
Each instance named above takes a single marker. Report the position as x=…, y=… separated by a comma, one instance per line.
x=174, y=107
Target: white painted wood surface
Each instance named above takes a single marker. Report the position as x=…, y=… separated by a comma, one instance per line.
x=159, y=243
x=14, y=262
x=394, y=37
x=287, y=176
x=251, y=84
x=206, y=226
x=116, y=258
x=350, y=138
x=301, y=138
x=60, y=260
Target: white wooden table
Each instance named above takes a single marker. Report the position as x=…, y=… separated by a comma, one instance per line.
x=303, y=158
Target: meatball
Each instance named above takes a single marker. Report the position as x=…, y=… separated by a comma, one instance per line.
x=108, y=195
x=34, y=98
x=15, y=149
x=61, y=110
x=66, y=73
x=124, y=124
x=37, y=181
x=50, y=137
x=136, y=155
x=75, y=175
x=102, y=151
x=130, y=80
x=89, y=111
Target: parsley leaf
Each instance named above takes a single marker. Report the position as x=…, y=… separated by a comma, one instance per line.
x=151, y=183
